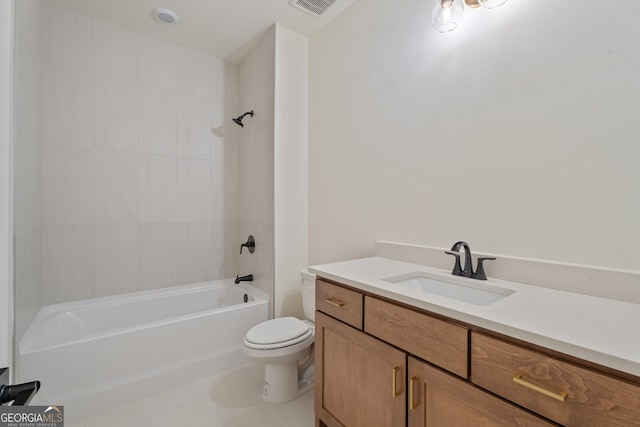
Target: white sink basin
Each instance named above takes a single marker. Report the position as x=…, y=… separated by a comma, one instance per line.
x=458, y=288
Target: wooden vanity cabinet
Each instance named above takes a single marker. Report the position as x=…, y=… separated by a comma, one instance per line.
x=381, y=363
x=360, y=380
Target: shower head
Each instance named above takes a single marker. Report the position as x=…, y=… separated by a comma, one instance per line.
x=238, y=120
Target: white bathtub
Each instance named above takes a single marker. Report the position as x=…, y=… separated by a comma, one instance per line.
x=96, y=354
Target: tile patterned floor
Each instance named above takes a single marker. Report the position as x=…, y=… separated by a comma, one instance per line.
x=229, y=399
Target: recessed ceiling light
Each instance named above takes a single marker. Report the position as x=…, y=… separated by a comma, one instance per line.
x=165, y=16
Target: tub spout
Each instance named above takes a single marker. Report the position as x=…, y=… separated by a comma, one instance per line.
x=247, y=278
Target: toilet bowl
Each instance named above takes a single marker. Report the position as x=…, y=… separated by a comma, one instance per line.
x=285, y=346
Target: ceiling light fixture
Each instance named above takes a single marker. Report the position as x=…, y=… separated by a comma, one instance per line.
x=165, y=16
x=447, y=14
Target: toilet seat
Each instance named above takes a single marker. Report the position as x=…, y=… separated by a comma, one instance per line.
x=278, y=333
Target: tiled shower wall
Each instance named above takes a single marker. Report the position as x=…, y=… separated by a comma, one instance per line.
x=27, y=152
x=139, y=162
x=255, y=159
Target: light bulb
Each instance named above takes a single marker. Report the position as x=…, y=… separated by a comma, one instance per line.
x=446, y=15
x=490, y=4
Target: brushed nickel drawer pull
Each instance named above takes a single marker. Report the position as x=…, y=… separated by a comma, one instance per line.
x=558, y=396
x=412, y=404
x=394, y=373
x=334, y=302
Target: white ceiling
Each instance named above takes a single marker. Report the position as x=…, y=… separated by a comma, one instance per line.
x=222, y=28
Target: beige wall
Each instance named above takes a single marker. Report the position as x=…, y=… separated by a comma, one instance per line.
x=518, y=132
x=290, y=169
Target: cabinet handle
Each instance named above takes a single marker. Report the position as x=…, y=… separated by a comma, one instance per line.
x=334, y=302
x=394, y=374
x=412, y=404
x=558, y=396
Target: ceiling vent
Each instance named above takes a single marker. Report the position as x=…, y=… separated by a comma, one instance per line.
x=314, y=7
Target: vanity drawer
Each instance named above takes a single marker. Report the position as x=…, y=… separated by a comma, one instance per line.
x=436, y=341
x=342, y=303
x=560, y=391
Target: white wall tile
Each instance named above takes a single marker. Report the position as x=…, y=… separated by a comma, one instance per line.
x=158, y=121
x=256, y=187
x=263, y=121
x=67, y=185
x=157, y=255
x=126, y=184
x=225, y=244
x=194, y=190
x=68, y=38
x=115, y=188
x=194, y=73
x=231, y=109
x=27, y=173
x=218, y=71
x=224, y=191
x=28, y=63
x=21, y=32
x=116, y=51
x=261, y=262
x=194, y=126
x=27, y=86
x=116, y=113
x=255, y=162
x=67, y=101
x=115, y=262
x=67, y=269
x=224, y=106
x=158, y=62
x=158, y=189
x=194, y=253
x=27, y=280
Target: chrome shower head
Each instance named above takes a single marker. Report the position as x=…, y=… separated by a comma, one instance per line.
x=238, y=120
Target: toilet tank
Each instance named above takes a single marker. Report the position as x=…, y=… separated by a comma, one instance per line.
x=308, y=281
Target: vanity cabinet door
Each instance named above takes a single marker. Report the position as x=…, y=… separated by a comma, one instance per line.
x=437, y=399
x=360, y=381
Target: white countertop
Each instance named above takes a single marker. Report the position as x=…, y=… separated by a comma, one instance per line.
x=595, y=329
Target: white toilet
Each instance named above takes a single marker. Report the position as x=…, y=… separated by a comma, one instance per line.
x=285, y=346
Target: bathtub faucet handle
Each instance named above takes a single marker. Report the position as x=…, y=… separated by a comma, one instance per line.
x=247, y=278
x=250, y=243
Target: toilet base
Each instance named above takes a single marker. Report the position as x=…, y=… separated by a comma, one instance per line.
x=281, y=383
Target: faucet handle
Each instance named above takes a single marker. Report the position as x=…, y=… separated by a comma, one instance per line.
x=251, y=244
x=480, y=274
x=457, y=268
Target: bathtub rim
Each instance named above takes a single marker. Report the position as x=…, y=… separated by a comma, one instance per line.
x=260, y=297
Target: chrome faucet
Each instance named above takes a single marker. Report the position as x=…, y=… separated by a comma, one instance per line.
x=467, y=271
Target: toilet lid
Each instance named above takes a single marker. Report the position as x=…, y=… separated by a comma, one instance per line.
x=277, y=331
